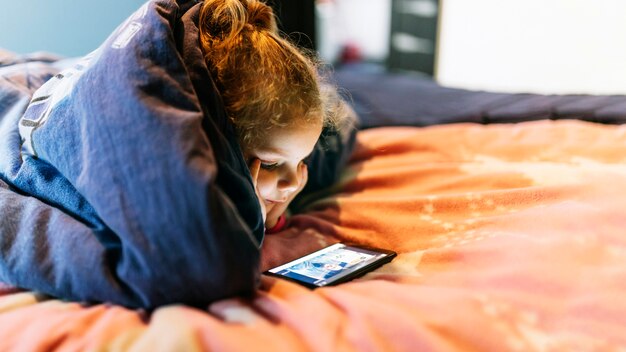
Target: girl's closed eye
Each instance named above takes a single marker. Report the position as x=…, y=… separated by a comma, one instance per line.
x=269, y=166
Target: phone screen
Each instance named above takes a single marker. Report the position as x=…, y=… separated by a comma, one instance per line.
x=332, y=265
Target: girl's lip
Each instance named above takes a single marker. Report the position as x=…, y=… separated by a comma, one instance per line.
x=274, y=201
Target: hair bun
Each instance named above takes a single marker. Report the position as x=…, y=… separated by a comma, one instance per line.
x=223, y=20
x=261, y=16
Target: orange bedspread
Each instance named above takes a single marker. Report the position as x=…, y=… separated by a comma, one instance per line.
x=510, y=237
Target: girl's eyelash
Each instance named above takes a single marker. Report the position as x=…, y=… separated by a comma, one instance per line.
x=273, y=166
x=269, y=166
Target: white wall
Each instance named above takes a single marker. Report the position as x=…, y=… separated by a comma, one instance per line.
x=76, y=27
x=365, y=23
x=66, y=27
x=544, y=46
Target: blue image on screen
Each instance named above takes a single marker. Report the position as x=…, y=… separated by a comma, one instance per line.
x=325, y=266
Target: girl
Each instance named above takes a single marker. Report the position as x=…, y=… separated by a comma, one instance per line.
x=272, y=94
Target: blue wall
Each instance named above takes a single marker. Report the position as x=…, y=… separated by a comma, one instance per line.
x=65, y=27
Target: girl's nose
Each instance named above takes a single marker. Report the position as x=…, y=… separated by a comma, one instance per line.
x=288, y=182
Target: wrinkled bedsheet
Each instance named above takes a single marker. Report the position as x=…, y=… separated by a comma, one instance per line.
x=510, y=237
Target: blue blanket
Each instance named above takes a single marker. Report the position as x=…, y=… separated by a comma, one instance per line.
x=398, y=99
x=121, y=177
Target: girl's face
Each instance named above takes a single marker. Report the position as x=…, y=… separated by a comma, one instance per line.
x=280, y=154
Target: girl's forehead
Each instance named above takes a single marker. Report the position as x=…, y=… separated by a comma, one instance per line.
x=291, y=140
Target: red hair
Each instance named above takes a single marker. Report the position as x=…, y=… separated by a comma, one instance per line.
x=264, y=80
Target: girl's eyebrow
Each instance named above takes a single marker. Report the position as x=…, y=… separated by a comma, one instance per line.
x=272, y=150
x=281, y=153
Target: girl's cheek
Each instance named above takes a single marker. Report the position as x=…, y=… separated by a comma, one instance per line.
x=265, y=183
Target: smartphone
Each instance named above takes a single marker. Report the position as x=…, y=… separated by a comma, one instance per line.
x=332, y=265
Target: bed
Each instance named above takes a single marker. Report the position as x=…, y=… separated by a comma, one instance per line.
x=506, y=211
